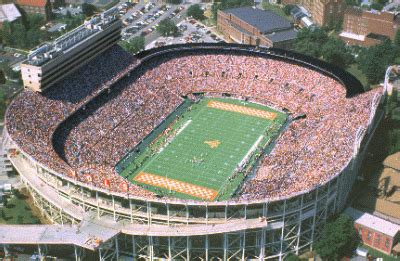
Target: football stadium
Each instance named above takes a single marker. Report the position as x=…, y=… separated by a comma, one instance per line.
x=193, y=152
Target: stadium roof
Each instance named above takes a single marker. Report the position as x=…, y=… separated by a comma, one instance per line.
x=265, y=21
x=373, y=222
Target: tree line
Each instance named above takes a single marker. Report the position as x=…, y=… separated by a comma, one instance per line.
x=372, y=61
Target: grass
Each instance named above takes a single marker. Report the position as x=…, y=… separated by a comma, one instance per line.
x=354, y=70
x=17, y=211
x=375, y=253
x=186, y=156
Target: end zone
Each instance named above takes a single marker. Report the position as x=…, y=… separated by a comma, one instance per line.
x=176, y=185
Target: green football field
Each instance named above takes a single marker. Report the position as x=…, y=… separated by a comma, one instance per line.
x=203, y=153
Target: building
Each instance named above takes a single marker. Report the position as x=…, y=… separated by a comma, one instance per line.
x=9, y=13
x=35, y=6
x=367, y=28
x=323, y=12
x=248, y=25
x=375, y=232
x=51, y=62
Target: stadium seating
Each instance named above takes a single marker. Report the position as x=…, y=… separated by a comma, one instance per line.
x=308, y=153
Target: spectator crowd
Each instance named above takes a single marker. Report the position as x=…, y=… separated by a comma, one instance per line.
x=87, y=123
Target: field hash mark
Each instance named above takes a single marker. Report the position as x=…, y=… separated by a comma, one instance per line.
x=242, y=109
x=176, y=185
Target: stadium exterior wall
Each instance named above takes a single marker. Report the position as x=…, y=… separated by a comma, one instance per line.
x=190, y=230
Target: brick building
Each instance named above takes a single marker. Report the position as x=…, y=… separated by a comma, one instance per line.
x=366, y=28
x=375, y=232
x=323, y=12
x=35, y=6
x=249, y=25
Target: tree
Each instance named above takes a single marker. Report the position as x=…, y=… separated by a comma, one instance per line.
x=35, y=21
x=25, y=33
x=374, y=60
x=310, y=42
x=174, y=2
x=2, y=77
x=334, y=51
x=292, y=257
x=134, y=45
x=397, y=38
x=318, y=44
x=167, y=28
x=88, y=9
x=352, y=2
x=225, y=4
x=196, y=12
x=6, y=33
x=338, y=239
x=376, y=6
x=287, y=9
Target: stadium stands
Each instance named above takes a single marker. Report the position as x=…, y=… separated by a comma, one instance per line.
x=86, y=124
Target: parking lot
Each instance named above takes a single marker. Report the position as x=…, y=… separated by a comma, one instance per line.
x=143, y=20
x=191, y=31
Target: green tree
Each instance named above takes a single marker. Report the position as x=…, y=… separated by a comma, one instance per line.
x=174, y=2
x=35, y=21
x=8, y=72
x=3, y=103
x=352, y=2
x=196, y=12
x=88, y=9
x=376, y=6
x=6, y=33
x=374, y=60
x=2, y=77
x=334, y=51
x=397, y=38
x=292, y=257
x=134, y=45
x=310, y=42
x=167, y=28
x=74, y=21
x=225, y=4
x=25, y=33
x=338, y=239
x=287, y=9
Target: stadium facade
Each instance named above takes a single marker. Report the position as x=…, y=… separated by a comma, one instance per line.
x=175, y=229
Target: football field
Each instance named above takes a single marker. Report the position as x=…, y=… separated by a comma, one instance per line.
x=210, y=147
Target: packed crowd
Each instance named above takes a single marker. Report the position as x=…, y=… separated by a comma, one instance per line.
x=308, y=153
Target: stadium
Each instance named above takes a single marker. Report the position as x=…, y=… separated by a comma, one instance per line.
x=195, y=152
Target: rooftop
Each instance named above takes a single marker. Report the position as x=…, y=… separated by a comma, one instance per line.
x=282, y=35
x=36, y=3
x=9, y=12
x=51, y=50
x=350, y=35
x=264, y=21
x=374, y=222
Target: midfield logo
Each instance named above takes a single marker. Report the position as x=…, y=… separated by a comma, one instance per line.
x=212, y=143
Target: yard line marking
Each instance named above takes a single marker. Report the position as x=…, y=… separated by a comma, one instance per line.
x=176, y=185
x=242, y=109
